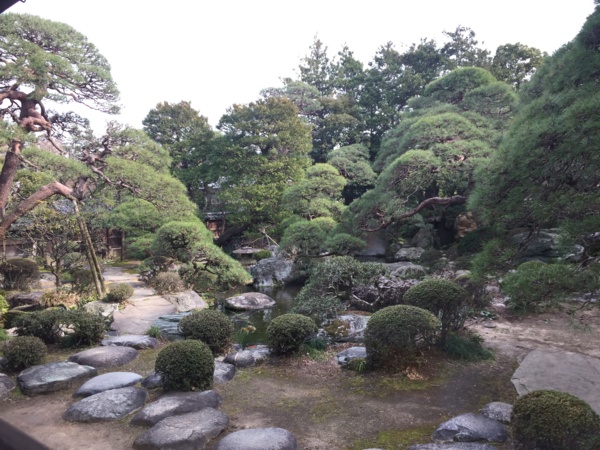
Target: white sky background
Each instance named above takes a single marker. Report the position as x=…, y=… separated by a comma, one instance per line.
x=218, y=53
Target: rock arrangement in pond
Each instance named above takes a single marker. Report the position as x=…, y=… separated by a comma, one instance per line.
x=250, y=301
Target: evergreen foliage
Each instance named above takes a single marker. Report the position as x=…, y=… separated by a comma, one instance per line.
x=186, y=366
x=119, y=292
x=19, y=274
x=212, y=327
x=22, y=352
x=286, y=333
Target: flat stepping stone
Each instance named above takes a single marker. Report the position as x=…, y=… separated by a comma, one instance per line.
x=169, y=325
x=498, y=411
x=53, y=377
x=250, y=301
x=224, y=372
x=139, y=313
x=152, y=381
x=470, y=427
x=176, y=404
x=106, y=382
x=102, y=357
x=453, y=446
x=107, y=406
x=186, y=432
x=259, y=439
x=137, y=341
x=569, y=372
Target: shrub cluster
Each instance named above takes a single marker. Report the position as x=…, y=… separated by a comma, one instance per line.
x=185, y=366
x=51, y=299
x=19, y=274
x=167, y=283
x=154, y=265
x=466, y=347
x=286, y=333
x=88, y=328
x=262, y=254
x=82, y=280
x=22, y=352
x=554, y=420
x=446, y=300
x=397, y=335
x=212, y=327
x=119, y=292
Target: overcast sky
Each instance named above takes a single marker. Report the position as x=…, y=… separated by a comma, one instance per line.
x=218, y=53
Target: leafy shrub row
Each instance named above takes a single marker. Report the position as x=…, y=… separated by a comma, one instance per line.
x=19, y=274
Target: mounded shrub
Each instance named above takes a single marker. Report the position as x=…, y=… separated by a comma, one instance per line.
x=22, y=352
x=154, y=265
x=82, y=280
x=397, y=335
x=286, y=333
x=45, y=325
x=554, y=420
x=167, y=283
x=4, y=307
x=185, y=366
x=119, y=292
x=51, y=299
x=445, y=299
x=262, y=254
x=88, y=328
x=212, y=327
x=344, y=244
x=19, y=274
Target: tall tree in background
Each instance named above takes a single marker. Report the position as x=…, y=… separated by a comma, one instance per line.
x=516, y=63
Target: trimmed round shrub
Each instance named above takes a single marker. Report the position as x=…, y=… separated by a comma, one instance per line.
x=445, y=299
x=88, y=328
x=397, y=335
x=344, y=244
x=119, y=292
x=262, y=254
x=19, y=274
x=554, y=420
x=212, y=327
x=186, y=366
x=22, y=352
x=45, y=325
x=286, y=333
x=167, y=283
x=82, y=280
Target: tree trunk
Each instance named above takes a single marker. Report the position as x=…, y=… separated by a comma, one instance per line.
x=7, y=175
x=90, y=254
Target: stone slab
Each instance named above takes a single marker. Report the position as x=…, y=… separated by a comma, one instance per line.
x=107, y=406
x=176, y=404
x=53, y=377
x=106, y=382
x=102, y=357
x=259, y=439
x=137, y=341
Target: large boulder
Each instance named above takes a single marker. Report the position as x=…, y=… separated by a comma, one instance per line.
x=25, y=299
x=498, y=411
x=544, y=245
x=405, y=270
x=409, y=254
x=104, y=309
x=169, y=325
x=249, y=301
x=52, y=377
x=107, y=406
x=137, y=341
x=189, y=431
x=273, y=271
x=186, y=301
x=259, y=439
x=470, y=427
x=152, y=381
x=106, y=382
x=224, y=372
x=386, y=292
x=453, y=446
x=249, y=357
x=346, y=328
x=7, y=382
x=102, y=357
x=345, y=357
x=176, y=404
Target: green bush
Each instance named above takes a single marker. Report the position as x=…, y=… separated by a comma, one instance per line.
x=4, y=307
x=61, y=297
x=186, y=366
x=88, y=328
x=45, y=325
x=212, y=327
x=119, y=292
x=3, y=335
x=82, y=280
x=536, y=285
x=180, y=240
x=446, y=300
x=22, y=352
x=344, y=244
x=473, y=241
x=397, y=335
x=495, y=258
x=167, y=283
x=544, y=420
x=286, y=333
x=19, y=274
x=467, y=347
x=154, y=265
x=262, y=254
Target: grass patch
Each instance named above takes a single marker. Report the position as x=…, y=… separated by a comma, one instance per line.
x=398, y=439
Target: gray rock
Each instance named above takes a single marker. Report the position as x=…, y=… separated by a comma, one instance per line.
x=259, y=439
x=355, y=331
x=249, y=301
x=409, y=254
x=101, y=357
x=7, y=382
x=470, y=427
x=186, y=301
x=189, y=431
x=176, y=404
x=25, y=299
x=343, y=358
x=498, y=411
x=3, y=392
x=137, y=341
x=574, y=373
x=103, y=309
x=248, y=358
x=423, y=238
x=107, y=406
x=453, y=446
x=273, y=271
x=386, y=292
x=106, y=382
x=407, y=270
x=223, y=372
x=152, y=381
x=52, y=377
x=169, y=325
